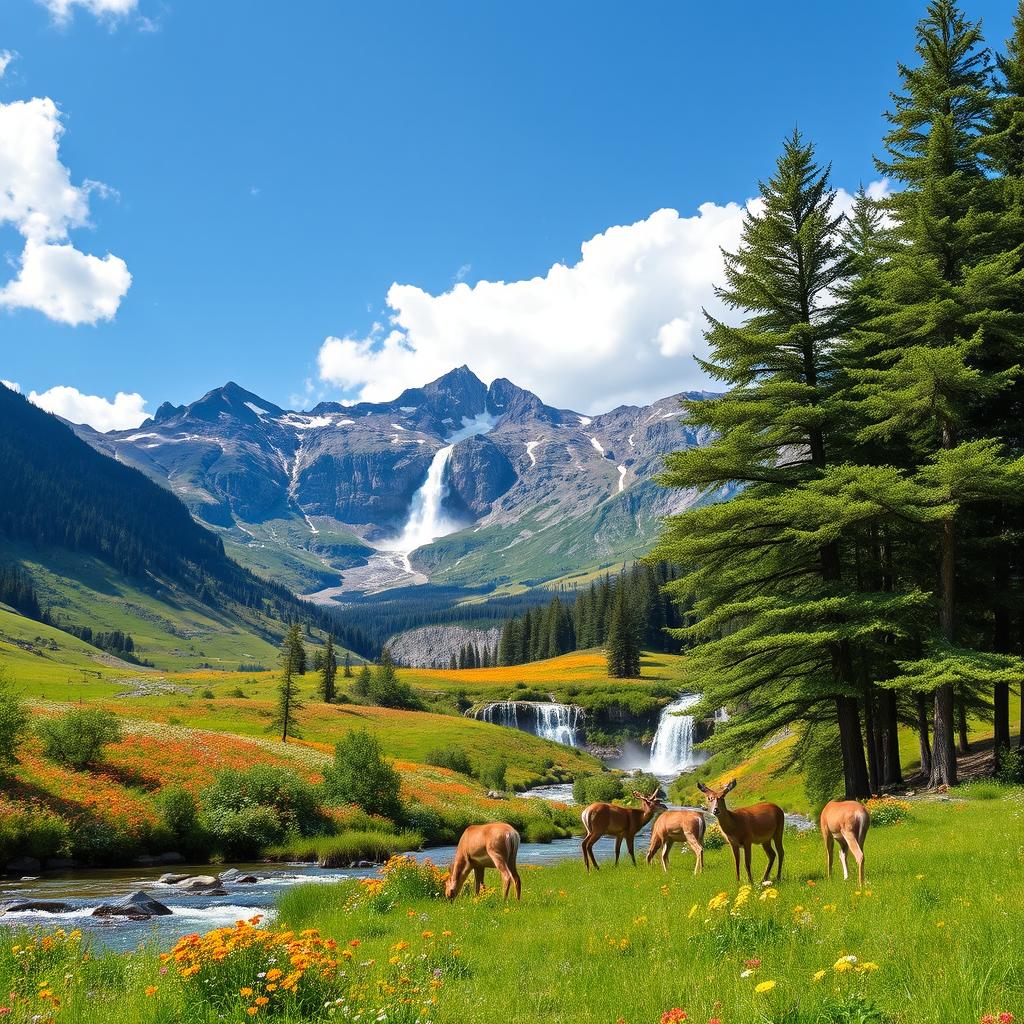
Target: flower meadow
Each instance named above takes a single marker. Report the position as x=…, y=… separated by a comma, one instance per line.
x=931, y=938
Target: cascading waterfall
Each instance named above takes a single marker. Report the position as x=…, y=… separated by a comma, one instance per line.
x=562, y=723
x=672, y=750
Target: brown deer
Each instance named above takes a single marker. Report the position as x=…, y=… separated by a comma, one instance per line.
x=600, y=819
x=761, y=823
x=678, y=827
x=845, y=822
x=494, y=845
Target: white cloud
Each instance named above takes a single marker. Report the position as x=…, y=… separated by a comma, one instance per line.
x=620, y=325
x=6, y=56
x=62, y=10
x=10, y=384
x=38, y=198
x=126, y=410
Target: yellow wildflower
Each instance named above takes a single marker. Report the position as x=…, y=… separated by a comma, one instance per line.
x=764, y=986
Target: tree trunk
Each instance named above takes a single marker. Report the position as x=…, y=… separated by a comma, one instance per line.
x=855, y=769
x=892, y=770
x=963, y=742
x=871, y=738
x=943, y=748
x=922, y=735
x=1001, y=645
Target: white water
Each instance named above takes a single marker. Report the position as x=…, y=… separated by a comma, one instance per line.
x=672, y=750
x=561, y=723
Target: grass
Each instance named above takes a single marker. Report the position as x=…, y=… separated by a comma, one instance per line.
x=939, y=919
x=340, y=851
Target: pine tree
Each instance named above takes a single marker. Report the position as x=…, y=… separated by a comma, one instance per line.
x=288, y=702
x=347, y=671
x=938, y=293
x=623, y=647
x=778, y=610
x=363, y=683
x=328, y=672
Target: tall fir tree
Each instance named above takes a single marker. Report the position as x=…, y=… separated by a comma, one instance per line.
x=288, y=701
x=623, y=646
x=328, y=672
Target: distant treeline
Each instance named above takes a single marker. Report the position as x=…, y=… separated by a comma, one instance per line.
x=587, y=622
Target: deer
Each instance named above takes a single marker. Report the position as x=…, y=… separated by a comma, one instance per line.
x=493, y=845
x=678, y=826
x=761, y=823
x=600, y=819
x=845, y=822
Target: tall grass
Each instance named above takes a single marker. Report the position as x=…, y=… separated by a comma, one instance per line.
x=341, y=850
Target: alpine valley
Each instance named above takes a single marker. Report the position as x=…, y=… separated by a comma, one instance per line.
x=455, y=483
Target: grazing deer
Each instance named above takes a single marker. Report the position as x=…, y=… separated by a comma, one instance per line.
x=600, y=819
x=678, y=827
x=845, y=822
x=762, y=824
x=494, y=845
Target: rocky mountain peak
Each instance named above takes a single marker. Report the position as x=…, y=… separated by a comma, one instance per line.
x=232, y=400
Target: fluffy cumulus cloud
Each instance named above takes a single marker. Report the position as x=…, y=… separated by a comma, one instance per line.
x=6, y=56
x=620, y=325
x=10, y=384
x=62, y=10
x=38, y=198
x=126, y=410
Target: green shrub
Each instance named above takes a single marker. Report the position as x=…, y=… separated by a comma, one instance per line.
x=245, y=832
x=714, y=838
x=179, y=815
x=207, y=694
x=1011, y=766
x=604, y=787
x=76, y=739
x=361, y=776
x=38, y=833
x=493, y=775
x=642, y=782
x=429, y=823
x=13, y=721
x=888, y=811
x=540, y=830
x=294, y=804
x=451, y=758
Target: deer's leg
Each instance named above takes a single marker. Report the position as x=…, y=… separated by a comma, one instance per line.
x=767, y=847
x=587, y=852
x=666, y=850
x=618, y=847
x=826, y=836
x=843, y=849
x=858, y=853
x=736, y=858
x=779, y=850
x=517, y=881
x=629, y=847
x=698, y=852
x=653, y=848
x=746, y=862
x=478, y=879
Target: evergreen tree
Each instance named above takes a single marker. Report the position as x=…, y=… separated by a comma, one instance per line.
x=328, y=672
x=386, y=689
x=288, y=702
x=623, y=649
x=363, y=683
x=347, y=670
x=939, y=293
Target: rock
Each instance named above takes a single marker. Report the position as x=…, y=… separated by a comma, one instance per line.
x=246, y=880
x=23, y=866
x=365, y=864
x=199, y=881
x=493, y=794
x=29, y=878
x=230, y=875
x=61, y=863
x=171, y=879
x=137, y=906
x=433, y=646
x=43, y=906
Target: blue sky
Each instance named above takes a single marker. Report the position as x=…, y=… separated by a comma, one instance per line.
x=277, y=167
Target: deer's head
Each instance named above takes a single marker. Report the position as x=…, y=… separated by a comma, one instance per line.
x=652, y=803
x=451, y=886
x=716, y=797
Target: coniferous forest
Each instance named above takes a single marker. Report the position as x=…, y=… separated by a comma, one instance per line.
x=869, y=572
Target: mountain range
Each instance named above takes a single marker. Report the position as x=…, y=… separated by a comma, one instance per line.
x=456, y=482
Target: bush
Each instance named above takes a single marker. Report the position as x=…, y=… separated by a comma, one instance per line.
x=1011, y=766
x=453, y=759
x=603, y=787
x=540, y=830
x=76, y=739
x=263, y=803
x=13, y=722
x=33, y=832
x=340, y=851
x=714, y=838
x=361, y=776
x=493, y=776
x=179, y=815
x=642, y=782
x=207, y=694
x=888, y=811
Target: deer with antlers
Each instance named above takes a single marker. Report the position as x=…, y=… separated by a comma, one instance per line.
x=845, y=822
x=678, y=827
x=494, y=845
x=601, y=819
x=761, y=824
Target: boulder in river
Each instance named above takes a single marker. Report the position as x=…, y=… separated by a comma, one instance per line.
x=137, y=906
x=169, y=878
x=23, y=866
x=42, y=906
x=236, y=877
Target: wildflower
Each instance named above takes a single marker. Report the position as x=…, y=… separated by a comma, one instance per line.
x=693, y=910
x=769, y=894
x=719, y=901
x=746, y=974
x=261, y=1001
x=273, y=974
x=252, y=1011
x=764, y=986
x=151, y=990
x=818, y=975
x=245, y=991
x=753, y=963
x=673, y=1016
